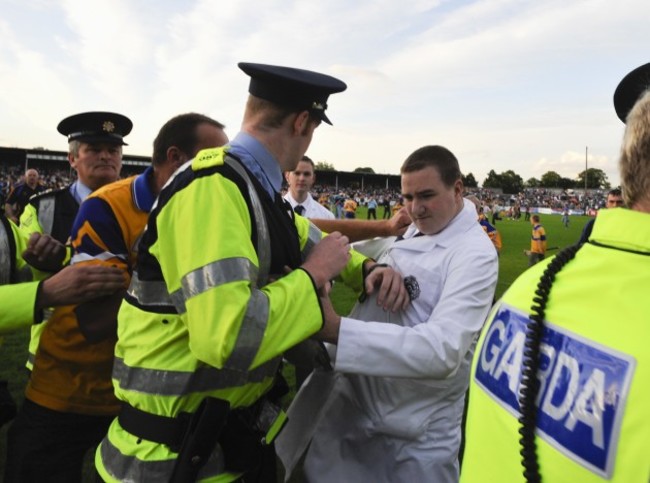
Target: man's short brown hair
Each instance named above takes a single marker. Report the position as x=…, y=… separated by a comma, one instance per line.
x=435, y=156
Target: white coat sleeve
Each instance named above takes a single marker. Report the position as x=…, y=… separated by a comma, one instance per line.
x=436, y=347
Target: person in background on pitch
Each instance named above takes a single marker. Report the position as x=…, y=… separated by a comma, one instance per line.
x=20, y=195
x=300, y=182
x=537, y=250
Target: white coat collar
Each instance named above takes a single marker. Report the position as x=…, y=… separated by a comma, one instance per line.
x=461, y=223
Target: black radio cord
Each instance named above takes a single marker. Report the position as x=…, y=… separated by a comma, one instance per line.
x=530, y=365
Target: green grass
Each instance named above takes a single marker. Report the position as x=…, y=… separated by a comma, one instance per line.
x=512, y=262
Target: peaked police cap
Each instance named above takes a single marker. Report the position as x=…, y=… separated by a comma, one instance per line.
x=630, y=89
x=94, y=127
x=291, y=87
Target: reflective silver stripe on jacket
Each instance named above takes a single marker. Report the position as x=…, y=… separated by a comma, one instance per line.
x=159, y=382
x=5, y=256
x=194, y=283
x=251, y=332
x=217, y=273
x=313, y=237
x=46, y=214
x=130, y=468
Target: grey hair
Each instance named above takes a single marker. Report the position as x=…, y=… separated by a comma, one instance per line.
x=634, y=163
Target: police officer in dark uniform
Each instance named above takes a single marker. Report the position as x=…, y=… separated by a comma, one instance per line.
x=95, y=141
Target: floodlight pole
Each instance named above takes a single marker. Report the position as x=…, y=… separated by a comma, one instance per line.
x=586, y=169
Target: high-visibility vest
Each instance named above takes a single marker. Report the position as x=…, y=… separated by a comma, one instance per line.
x=592, y=419
x=199, y=318
x=17, y=300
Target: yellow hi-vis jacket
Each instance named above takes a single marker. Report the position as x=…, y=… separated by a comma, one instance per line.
x=592, y=419
x=17, y=300
x=200, y=318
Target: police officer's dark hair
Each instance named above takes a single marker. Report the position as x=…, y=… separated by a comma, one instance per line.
x=435, y=156
x=180, y=131
x=274, y=114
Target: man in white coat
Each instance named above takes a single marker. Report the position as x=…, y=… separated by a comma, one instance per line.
x=300, y=182
x=395, y=410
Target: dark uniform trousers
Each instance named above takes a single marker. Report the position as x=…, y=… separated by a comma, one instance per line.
x=49, y=446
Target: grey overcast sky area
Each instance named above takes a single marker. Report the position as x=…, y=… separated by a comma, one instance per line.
x=525, y=85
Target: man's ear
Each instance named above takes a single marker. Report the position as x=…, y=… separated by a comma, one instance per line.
x=175, y=156
x=301, y=123
x=71, y=160
x=459, y=188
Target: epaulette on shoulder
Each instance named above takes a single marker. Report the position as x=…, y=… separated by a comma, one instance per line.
x=47, y=193
x=208, y=158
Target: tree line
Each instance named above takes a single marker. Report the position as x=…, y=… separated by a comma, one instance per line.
x=511, y=183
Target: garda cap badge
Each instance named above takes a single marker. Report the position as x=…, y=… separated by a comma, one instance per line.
x=108, y=126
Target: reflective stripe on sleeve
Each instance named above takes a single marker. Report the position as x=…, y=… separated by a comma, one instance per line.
x=217, y=273
x=313, y=237
x=179, y=383
x=194, y=283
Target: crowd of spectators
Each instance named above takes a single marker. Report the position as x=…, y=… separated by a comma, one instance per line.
x=386, y=198
x=493, y=201
x=51, y=178
x=533, y=199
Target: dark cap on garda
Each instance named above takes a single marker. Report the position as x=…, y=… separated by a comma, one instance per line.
x=630, y=89
x=290, y=87
x=96, y=127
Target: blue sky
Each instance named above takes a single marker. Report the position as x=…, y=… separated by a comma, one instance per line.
x=505, y=84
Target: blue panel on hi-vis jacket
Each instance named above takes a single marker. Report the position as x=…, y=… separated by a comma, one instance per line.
x=583, y=386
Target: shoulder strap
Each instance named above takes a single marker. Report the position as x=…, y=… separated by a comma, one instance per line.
x=263, y=241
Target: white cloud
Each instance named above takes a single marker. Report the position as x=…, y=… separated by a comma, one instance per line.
x=505, y=84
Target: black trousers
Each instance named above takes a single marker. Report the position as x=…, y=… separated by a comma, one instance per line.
x=49, y=446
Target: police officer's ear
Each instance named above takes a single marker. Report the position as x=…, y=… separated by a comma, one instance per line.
x=302, y=123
